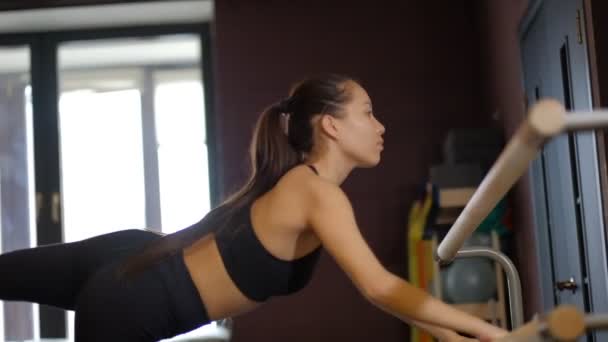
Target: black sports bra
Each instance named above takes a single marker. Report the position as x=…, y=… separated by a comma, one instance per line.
x=257, y=273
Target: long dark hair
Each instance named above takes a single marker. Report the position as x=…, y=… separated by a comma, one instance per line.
x=276, y=147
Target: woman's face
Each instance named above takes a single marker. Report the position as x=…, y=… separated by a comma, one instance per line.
x=361, y=133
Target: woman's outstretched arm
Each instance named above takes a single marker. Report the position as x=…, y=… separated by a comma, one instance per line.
x=441, y=334
x=332, y=219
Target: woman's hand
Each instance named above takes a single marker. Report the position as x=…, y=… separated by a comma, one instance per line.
x=493, y=336
x=454, y=337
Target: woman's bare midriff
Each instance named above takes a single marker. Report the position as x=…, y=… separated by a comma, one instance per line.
x=218, y=292
x=278, y=222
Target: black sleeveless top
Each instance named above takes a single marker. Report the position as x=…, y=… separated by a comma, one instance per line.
x=257, y=273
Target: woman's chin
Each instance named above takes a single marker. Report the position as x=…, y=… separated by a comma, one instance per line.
x=370, y=163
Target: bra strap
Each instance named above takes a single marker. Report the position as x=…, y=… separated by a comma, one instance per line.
x=314, y=169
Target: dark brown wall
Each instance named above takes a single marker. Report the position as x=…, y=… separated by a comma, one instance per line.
x=599, y=10
x=419, y=61
x=597, y=34
x=504, y=93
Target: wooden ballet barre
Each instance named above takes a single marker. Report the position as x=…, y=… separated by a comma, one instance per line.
x=597, y=321
x=565, y=323
x=576, y=121
x=546, y=119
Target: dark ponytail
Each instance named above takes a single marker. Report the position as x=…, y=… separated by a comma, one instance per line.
x=271, y=153
x=282, y=136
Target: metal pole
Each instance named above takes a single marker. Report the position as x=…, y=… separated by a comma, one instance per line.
x=513, y=281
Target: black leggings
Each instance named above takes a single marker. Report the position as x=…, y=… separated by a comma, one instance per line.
x=159, y=303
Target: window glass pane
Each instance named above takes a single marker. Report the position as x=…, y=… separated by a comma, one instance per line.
x=182, y=151
x=18, y=321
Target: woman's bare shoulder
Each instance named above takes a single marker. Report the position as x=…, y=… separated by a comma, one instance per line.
x=288, y=203
x=302, y=183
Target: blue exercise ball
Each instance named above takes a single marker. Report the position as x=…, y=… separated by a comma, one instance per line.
x=478, y=239
x=471, y=280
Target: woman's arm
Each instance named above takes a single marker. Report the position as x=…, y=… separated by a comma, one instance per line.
x=441, y=334
x=332, y=219
x=406, y=301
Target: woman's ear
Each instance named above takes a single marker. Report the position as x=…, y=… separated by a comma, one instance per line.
x=329, y=126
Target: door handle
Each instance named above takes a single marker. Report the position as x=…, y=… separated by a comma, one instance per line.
x=569, y=284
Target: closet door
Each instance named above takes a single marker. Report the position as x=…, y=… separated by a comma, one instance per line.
x=586, y=164
x=534, y=69
x=567, y=199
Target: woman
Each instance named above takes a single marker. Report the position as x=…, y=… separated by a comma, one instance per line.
x=263, y=241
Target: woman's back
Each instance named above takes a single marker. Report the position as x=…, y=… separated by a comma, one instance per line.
x=278, y=222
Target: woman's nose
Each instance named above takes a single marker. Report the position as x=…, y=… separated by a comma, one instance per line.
x=381, y=128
